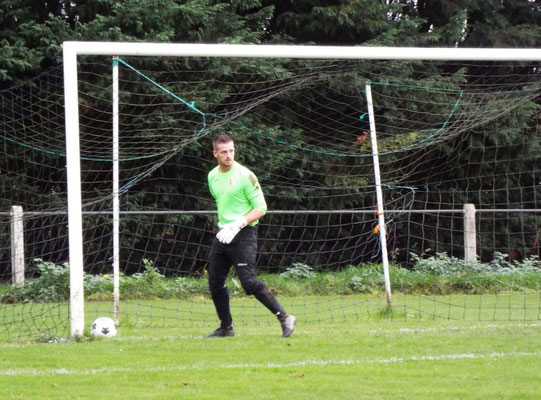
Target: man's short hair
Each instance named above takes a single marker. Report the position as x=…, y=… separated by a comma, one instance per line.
x=219, y=139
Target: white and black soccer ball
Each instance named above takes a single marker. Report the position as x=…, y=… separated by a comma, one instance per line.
x=103, y=327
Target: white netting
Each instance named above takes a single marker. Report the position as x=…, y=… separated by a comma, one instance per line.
x=448, y=134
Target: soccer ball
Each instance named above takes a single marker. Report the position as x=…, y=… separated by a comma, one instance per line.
x=103, y=327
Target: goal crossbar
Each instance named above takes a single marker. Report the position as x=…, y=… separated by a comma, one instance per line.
x=73, y=48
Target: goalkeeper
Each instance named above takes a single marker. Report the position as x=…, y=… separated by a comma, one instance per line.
x=240, y=204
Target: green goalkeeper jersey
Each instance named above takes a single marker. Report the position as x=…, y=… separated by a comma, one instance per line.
x=237, y=192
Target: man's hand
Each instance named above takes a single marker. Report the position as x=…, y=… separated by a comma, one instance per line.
x=230, y=230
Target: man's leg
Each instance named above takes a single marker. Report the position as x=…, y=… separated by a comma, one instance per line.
x=219, y=267
x=243, y=252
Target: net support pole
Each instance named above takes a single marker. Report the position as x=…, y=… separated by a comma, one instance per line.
x=379, y=195
x=116, y=202
x=73, y=161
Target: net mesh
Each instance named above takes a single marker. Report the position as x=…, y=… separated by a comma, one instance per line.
x=448, y=134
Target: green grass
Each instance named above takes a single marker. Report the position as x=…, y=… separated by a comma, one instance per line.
x=49, y=320
x=355, y=349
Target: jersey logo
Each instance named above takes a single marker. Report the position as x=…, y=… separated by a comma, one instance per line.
x=253, y=181
x=230, y=182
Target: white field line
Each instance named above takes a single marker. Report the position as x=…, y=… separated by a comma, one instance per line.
x=464, y=328
x=305, y=363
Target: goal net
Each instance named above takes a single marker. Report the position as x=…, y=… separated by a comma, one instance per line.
x=449, y=133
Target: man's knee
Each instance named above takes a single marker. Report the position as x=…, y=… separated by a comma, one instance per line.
x=252, y=286
x=248, y=279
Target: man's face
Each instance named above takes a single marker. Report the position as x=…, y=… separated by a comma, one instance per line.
x=225, y=154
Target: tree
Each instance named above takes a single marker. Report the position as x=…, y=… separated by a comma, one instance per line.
x=32, y=32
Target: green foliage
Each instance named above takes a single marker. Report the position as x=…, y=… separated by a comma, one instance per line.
x=298, y=271
x=31, y=34
x=52, y=284
x=443, y=265
x=436, y=275
x=338, y=22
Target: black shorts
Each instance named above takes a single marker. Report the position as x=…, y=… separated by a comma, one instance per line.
x=241, y=253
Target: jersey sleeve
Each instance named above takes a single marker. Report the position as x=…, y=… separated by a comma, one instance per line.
x=254, y=193
x=210, y=186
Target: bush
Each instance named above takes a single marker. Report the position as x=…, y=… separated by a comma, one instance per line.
x=437, y=275
x=299, y=271
x=52, y=284
x=443, y=265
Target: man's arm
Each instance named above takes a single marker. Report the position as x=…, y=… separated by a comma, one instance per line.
x=230, y=230
x=253, y=216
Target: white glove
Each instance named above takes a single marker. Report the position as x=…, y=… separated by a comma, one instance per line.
x=230, y=230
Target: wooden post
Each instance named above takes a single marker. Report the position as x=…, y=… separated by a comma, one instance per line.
x=17, y=245
x=470, y=241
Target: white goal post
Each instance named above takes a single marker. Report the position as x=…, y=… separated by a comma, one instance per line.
x=72, y=49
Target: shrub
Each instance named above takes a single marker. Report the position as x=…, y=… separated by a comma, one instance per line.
x=443, y=265
x=439, y=274
x=52, y=284
x=298, y=271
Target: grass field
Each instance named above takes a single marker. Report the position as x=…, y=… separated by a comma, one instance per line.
x=412, y=354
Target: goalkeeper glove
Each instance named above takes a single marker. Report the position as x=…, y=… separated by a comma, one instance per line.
x=230, y=230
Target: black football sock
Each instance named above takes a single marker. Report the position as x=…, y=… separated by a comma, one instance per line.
x=265, y=297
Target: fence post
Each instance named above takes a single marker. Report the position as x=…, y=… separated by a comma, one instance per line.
x=470, y=241
x=17, y=245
